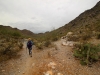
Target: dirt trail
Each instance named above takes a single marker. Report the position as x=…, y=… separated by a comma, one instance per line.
x=57, y=60
x=17, y=66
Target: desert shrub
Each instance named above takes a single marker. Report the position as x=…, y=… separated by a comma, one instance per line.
x=4, y=32
x=39, y=45
x=47, y=43
x=7, y=39
x=98, y=36
x=10, y=33
x=86, y=36
x=20, y=45
x=9, y=48
x=73, y=38
x=55, y=39
x=87, y=53
x=8, y=53
x=2, y=49
x=16, y=34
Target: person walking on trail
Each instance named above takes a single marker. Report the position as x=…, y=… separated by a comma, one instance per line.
x=29, y=46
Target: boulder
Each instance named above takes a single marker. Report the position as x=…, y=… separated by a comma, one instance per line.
x=48, y=73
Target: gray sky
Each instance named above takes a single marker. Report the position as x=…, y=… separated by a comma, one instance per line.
x=41, y=15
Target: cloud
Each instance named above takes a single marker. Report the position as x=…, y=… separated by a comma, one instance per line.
x=41, y=15
x=34, y=27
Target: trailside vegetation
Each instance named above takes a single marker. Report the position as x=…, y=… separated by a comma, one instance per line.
x=87, y=53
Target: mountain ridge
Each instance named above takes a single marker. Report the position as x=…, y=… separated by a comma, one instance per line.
x=9, y=28
x=89, y=19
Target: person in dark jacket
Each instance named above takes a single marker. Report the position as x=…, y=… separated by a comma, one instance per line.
x=29, y=46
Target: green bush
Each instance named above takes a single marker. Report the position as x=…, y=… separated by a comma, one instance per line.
x=98, y=36
x=4, y=32
x=86, y=36
x=10, y=33
x=87, y=53
x=47, y=43
x=73, y=38
x=9, y=48
x=55, y=39
x=39, y=45
x=20, y=45
x=16, y=34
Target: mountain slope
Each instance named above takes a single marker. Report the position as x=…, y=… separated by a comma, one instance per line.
x=7, y=30
x=85, y=24
x=88, y=19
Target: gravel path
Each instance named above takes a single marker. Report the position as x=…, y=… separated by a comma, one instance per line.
x=59, y=61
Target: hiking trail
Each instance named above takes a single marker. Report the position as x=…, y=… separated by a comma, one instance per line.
x=57, y=61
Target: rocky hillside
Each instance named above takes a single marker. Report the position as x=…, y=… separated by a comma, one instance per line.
x=87, y=22
x=89, y=19
x=7, y=30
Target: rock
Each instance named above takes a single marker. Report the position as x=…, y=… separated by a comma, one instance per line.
x=33, y=64
x=53, y=67
x=51, y=64
x=12, y=64
x=63, y=60
x=19, y=71
x=64, y=44
x=48, y=73
x=69, y=33
x=3, y=70
x=70, y=43
x=23, y=72
x=59, y=74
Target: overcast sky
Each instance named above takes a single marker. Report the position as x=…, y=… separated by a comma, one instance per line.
x=41, y=15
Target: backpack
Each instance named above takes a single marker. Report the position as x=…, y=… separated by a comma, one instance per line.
x=29, y=44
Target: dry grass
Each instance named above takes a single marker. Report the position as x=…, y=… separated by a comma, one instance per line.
x=9, y=48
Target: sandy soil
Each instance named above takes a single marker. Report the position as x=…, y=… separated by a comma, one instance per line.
x=59, y=61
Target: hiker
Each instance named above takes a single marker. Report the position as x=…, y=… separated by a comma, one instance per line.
x=29, y=46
